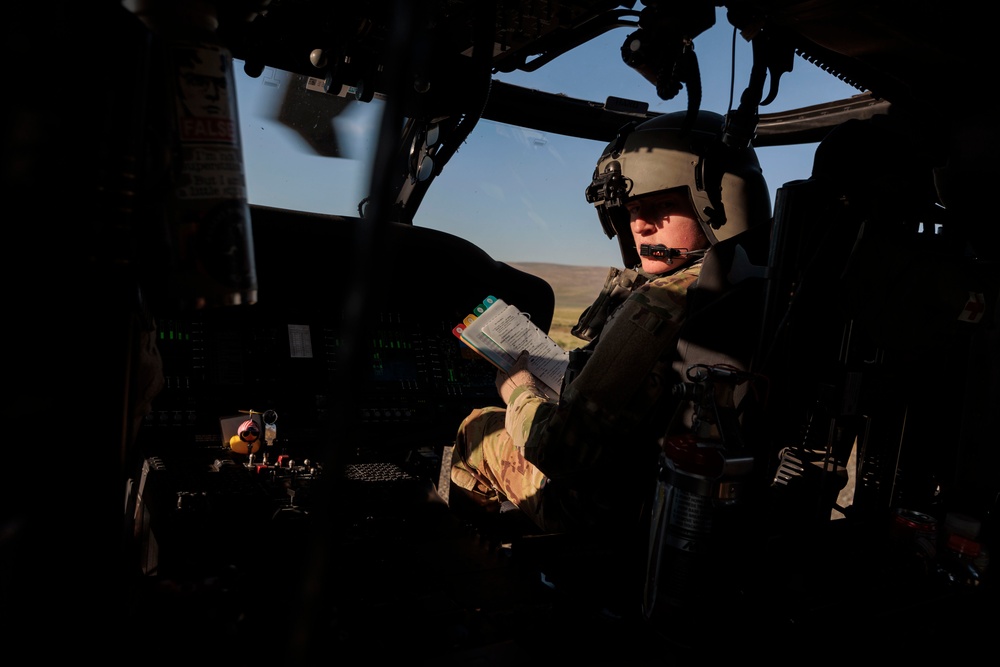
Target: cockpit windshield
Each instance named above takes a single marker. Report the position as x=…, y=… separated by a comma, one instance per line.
x=514, y=191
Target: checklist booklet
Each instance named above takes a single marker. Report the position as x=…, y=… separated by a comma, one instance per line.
x=499, y=332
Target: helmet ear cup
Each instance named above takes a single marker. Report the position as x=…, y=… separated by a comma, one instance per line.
x=712, y=212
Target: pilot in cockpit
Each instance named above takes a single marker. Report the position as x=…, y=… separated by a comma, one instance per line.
x=669, y=188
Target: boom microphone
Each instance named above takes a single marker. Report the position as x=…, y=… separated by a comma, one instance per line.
x=664, y=252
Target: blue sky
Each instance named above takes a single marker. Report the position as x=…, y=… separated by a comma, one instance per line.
x=518, y=193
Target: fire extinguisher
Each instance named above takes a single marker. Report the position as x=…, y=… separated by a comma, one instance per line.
x=211, y=260
x=700, y=492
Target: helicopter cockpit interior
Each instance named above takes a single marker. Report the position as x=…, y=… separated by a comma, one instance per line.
x=279, y=493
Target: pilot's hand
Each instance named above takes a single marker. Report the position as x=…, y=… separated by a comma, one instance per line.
x=519, y=375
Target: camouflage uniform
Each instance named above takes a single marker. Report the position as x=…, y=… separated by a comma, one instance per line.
x=591, y=457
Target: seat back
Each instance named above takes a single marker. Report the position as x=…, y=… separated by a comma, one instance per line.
x=876, y=319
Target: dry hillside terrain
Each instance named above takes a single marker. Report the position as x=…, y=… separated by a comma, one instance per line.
x=575, y=288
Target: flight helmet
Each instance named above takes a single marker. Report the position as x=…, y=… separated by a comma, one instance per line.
x=725, y=184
